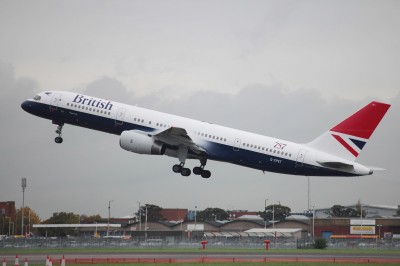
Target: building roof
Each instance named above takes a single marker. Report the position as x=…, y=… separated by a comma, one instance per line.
x=297, y=217
x=75, y=225
x=364, y=206
x=250, y=217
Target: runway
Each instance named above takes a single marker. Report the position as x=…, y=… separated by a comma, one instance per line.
x=201, y=257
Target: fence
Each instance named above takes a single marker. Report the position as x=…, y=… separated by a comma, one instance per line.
x=171, y=242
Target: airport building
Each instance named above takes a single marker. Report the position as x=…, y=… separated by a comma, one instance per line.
x=7, y=209
x=371, y=211
x=380, y=222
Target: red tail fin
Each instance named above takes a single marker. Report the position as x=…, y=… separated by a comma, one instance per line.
x=349, y=137
x=363, y=123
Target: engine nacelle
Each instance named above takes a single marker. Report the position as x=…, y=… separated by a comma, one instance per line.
x=140, y=143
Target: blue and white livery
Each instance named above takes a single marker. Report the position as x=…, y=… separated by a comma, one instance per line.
x=150, y=132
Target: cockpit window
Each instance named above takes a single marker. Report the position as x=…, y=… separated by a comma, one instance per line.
x=37, y=98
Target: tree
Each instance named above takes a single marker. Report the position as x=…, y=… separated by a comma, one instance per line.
x=275, y=212
x=29, y=216
x=153, y=213
x=61, y=218
x=360, y=209
x=342, y=211
x=212, y=214
x=320, y=243
x=90, y=219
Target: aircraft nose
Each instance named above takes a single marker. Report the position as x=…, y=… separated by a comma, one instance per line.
x=26, y=105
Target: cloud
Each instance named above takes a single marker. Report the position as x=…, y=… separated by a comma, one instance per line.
x=90, y=168
x=289, y=70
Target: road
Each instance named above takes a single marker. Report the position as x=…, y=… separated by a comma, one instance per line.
x=201, y=256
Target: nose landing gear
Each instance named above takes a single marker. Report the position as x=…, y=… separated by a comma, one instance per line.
x=59, y=139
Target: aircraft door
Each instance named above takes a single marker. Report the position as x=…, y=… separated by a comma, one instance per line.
x=55, y=101
x=236, y=144
x=300, y=157
x=119, y=119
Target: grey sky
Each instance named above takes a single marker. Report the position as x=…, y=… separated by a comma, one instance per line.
x=289, y=69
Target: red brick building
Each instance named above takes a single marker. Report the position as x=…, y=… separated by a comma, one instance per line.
x=7, y=209
x=174, y=214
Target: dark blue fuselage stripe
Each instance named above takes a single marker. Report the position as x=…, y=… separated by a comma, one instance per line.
x=216, y=151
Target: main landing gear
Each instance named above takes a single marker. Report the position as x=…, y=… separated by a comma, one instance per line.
x=198, y=170
x=59, y=139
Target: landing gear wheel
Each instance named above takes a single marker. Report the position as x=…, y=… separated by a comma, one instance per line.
x=59, y=139
x=186, y=172
x=177, y=168
x=197, y=170
x=206, y=174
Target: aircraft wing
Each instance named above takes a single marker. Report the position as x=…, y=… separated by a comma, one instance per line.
x=176, y=136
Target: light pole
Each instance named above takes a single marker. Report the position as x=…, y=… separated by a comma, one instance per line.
x=9, y=226
x=265, y=209
x=29, y=227
x=195, y=218
x=2, y=226
x=145, y=226
x=273, y=217
x=379, y=231
x=140, y=217
x=23, y=185
x=109, y=211
x=313, y=222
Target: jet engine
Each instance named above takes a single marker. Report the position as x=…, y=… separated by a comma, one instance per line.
x=141, y=143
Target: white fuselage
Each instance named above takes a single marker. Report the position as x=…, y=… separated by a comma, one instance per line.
x=219, y=143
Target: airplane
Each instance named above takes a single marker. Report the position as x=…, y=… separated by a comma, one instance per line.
x=150, y=132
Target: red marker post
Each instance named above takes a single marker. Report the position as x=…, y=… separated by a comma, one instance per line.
x=204, y=243
x=266, y=242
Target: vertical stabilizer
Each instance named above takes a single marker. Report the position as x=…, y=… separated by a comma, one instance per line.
x=348, y=138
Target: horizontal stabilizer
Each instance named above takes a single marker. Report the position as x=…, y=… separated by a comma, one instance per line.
x=374, y=168
x=337, y=165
